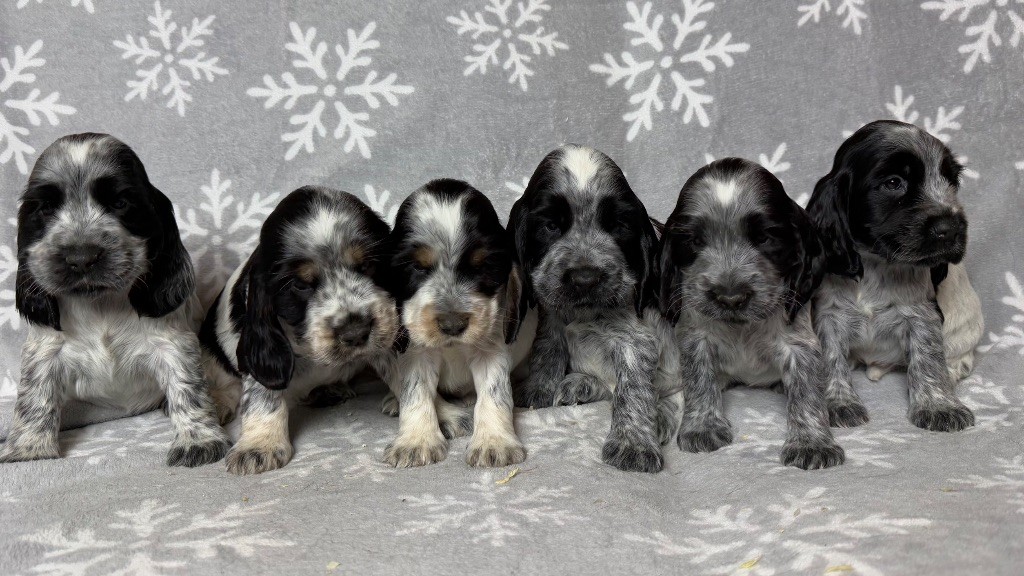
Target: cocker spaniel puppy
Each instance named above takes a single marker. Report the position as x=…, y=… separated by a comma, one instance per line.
x=895, y=230
x=307, y=308
x=587, y=249
x=455, y=281
x=107, y=288
x=739, y=261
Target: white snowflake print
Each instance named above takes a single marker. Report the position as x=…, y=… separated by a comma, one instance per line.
x=381, y=203
x=19, y=76
x=87, y=4
x=571, y=433
x=1012, y=335
x=8, y=271
x=519, y=33
x=159, y=536
x=352, y=101
x=1019, y=165
x=799, y=534
x=680, y=60
x=163, y=65
x=1009, y=479
x=1005, y=15
x=222, y=232
x=994, y=405
x=487, y=512
x=517, y=188
x=851, y=11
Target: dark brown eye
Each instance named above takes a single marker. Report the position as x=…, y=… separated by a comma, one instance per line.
x=894, y=184
x=119, y=204
x=301, y=287
x=696, y=240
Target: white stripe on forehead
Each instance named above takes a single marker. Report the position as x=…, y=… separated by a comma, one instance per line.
x=725, y=192
x=581, y=164
x=437, y=214
x=325, y=226
x=78, y=151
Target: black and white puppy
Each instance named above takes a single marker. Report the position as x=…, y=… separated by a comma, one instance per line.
x=108, y=291
x=894, y=231
x=588, y=249
x=454, y=278
x=307, y=308
x=739, y=261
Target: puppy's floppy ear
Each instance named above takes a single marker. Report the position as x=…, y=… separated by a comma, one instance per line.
x=170, y=279
x=521, y=264
x=515, y=310
x=829, y=209
x=32, y=302
x=647, y=285
x=668, y=301
x=264, y=351
x=810, y=269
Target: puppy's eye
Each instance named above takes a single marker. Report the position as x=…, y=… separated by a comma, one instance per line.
x=695, y=239
x=894, y=184
x=301, y=287
x=119, y=204
x=551, y=227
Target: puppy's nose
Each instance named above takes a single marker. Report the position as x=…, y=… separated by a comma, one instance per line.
x=946, y=228
x=733, y=297
x=584, y=277
x=355, y=331
x=82, y=257
x=453, y=323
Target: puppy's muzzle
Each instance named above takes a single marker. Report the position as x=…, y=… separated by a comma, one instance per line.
x=355, y=330
x=452, y=323
x=581, y=280
x=81, y=258
x=730, y=297
x=947, y=235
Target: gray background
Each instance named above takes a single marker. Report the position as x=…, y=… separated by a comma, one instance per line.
x=907, y=501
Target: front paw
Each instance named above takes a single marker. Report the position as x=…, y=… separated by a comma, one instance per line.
x=708, y=437
x=252, y=459
x=495, y=451
x=632, y=456
x=193, y=454
x=24, y=452
x=811, y=455
x=455, y=421
x=328, y=395
x=578, y=388
x=406, y=453
x=952, y=418
x=530, y=395
x=847, y=415
x=389, y=405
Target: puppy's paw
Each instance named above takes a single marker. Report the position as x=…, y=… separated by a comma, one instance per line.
x=811, y=455
x=406, y=453
x=632, y=456
x=668, y=425
x=847, y=415
x=328, y=395
x=578, y=388
x=875, y=373
x=23, y=452
x=531, y=395
x=494, y=451
x=225, y=414
x=948, y=418
x=193, y=454
x=389, y=405
x=455, y=421
x=253, y=459
x=708, y=437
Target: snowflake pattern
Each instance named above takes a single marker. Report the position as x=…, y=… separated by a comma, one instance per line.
x=9, y=315
x=381, y=203
x=798, y=534
x=87, y=4
x=18, y=73
x=985, y=33
x=1009, y=479
x=352, y=125
x=1012, y=335
x=851, y=11
x=162, y=66
x=993, y=404
x=662, y=58
x=524, y=27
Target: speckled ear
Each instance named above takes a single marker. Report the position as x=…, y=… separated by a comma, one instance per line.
x=829, y=210
x=170, y=279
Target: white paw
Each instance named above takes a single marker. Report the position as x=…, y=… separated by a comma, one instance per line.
x=249, y=458
x=409, y=452
x=495, y=451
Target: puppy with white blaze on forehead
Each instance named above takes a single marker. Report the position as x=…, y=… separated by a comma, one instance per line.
x=739, y=262
x=307, y=309
x=107, y=288
x=587, y=249
x=897, y=295
x=458, y=288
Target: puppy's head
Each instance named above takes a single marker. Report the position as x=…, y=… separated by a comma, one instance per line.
x=582, y=235
x=452, y=271
x=315, y=286
x=736, y=248
x=90, y=223
x=892, y=192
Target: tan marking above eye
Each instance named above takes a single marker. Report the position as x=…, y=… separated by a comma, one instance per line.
x=307, y=272
x=354, y=255
x=425, y=257
x=478, y=256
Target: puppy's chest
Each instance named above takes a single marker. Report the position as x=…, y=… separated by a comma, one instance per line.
x=747, y=358
x=587, y=345
x=876, y=310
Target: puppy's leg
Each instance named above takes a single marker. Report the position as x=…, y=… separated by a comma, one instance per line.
x=419, y=440
x=44, y=380
x=933, y=401
x=809, y=443
x=580, y=388
x=549, y=361
x=494, y=441
x=670, y=415
x=386, y=366
x=264, y=444
x=632, y=443
x=336, y=392
x=844, y=406
x=455, y=421
x=225, y=389
x=705, y=427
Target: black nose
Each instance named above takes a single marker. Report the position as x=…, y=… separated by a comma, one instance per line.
x=734, y=297
x=946, y=228
x=453, y=323
x=82, y=257
x=355, y=330
x=584, y=277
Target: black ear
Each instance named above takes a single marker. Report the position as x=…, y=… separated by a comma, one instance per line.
x=808, y=272
x=33, y=303
x=264, y=351
x=170, y=279
x=515, y=311
x=647, y=285
x=668, y=301
x=521, y=263
x=829, y=210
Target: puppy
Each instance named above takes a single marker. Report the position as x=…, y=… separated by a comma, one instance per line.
x=587, y=249
x=307, y=308
x=107, y=288
x=894, y=230
x=739, y=261
x=459, y=291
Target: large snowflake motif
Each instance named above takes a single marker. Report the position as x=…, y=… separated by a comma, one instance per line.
x=661, y=58
x=1012, y=335
x=985, y=32
x=380, y=202
x=8, y=270
x=19, y=73
x=851, y=11
x=87, y=4
x=1009, y=480
x=345, y=94
x=161, y=66
x=994, y=405
x=525, y=27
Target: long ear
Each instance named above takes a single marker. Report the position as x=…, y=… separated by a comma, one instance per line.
x=33, y=303
x=515, y=310
x=170, y=279
x=829, y=210
x=647, y=285
x=810, y=270
x=264, y=351
x=668, y=301
x=516, y=231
